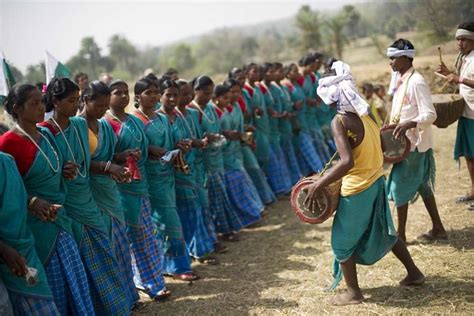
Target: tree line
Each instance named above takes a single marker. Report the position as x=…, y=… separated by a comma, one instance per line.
x=285, y=40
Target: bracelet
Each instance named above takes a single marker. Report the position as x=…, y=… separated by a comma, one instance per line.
x=107, y=166
x=32, y=201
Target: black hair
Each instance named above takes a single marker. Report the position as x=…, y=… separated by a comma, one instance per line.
x=58, y=88
x=317, y=55
x=329, y=62
x=142, y=85
x=166, y=84
x=378, y=87
x=402, y=44
x=265, y=67
x=235, y=72
x=306, y=60
x=467, y=26
x=3, y=128
x=250, y=65
x=219, y=90
x=115, y=83
x=181, y=82
x=170, y=71
x=288, y=67
x=229, y=83
x=79, y=75
x=151, y=76
x=366, y=87
x=18, y=95
x=40, y=85
x=201, y=82
x=278, y=65
x=94, y=89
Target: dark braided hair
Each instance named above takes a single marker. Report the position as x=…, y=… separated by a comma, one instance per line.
x=18, y=95
x=60, y=89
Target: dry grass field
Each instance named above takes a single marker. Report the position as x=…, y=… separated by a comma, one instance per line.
x=282, y=266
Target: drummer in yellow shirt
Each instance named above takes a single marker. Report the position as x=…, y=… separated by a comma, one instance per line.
x=363, y=230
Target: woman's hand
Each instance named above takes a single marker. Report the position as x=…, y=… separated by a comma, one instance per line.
x=184, y=145
x=70, y=170
x=298, y=105
x=122, y=157
x=44, y=210
x=119, y=174
x=249, y=128
x=156, y=152
x=199, y=143
x=212, y=137
x=15, y=261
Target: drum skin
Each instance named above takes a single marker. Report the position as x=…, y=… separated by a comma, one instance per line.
x=395, y=150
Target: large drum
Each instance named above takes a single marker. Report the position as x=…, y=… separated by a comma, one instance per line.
x=449, y=108
x=394, y=150
x=324, y=206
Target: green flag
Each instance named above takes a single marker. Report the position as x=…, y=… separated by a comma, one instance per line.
x=6, y=79
x=55, y=69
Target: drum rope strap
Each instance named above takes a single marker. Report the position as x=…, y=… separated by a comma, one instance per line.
x=396, y=118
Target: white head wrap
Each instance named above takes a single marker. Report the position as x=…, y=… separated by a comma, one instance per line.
x=395, y=52
x=465, y=34
x=342, y=90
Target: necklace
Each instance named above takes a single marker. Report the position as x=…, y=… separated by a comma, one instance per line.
x=83, y=175
x=159, y=129
x=139, y=138
x=181, y=115
x=202, y=112
x=55, y=170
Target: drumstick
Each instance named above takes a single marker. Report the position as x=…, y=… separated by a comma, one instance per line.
x=440, y=57
x=440, y=75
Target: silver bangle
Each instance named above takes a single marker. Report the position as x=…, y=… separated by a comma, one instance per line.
x=107, y=166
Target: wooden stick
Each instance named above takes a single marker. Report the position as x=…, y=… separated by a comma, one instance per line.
x=439, y=52
x=440, y=75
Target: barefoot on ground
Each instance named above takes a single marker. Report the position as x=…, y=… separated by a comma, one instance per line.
x=346, y=298
x=414, y=280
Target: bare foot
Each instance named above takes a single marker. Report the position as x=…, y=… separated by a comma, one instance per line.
x=413, y=280
x=347, y=298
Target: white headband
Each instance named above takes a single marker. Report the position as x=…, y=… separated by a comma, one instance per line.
x=465, y=34
x=395, y=52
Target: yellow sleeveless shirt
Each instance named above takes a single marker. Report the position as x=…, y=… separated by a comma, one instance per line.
x=93, y=141
x=368, y=161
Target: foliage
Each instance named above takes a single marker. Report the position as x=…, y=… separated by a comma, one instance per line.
x=282, y=40
x=308, y=21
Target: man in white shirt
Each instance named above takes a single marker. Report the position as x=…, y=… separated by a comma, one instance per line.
x=465, y=78
x=413, y=113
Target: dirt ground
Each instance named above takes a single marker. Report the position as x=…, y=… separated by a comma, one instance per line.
x=283, y=265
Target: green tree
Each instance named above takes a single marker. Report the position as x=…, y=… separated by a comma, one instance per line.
x=123, y=53
x=336, y=25
x=308, y=22
x=35, y=73
x=181, y=57
x=89, y=59
x=352, y=17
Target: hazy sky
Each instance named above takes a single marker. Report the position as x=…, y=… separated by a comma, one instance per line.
x=27, y=28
